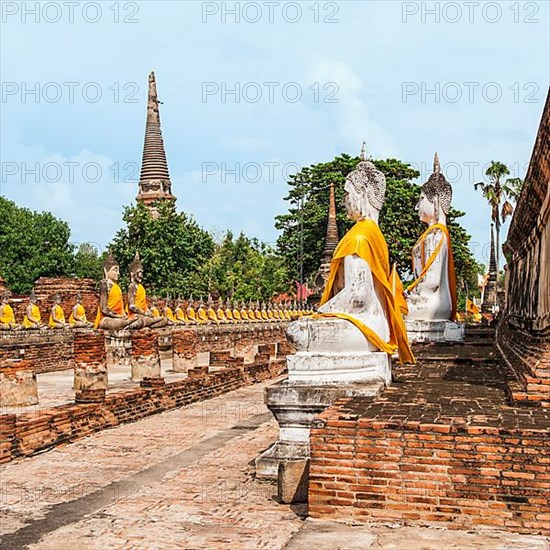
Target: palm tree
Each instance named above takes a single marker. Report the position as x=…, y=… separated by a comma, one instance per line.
x=495, y=192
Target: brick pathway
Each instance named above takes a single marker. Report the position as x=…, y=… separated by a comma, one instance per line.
x=182, y=479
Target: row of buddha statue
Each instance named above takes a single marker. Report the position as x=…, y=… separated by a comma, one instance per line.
x=141, y=312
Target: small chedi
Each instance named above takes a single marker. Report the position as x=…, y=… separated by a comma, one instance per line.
x=111, y=314
x=432, y=296
x=137, y=298
x=346, y=348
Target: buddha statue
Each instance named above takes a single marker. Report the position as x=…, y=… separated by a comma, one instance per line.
x=432, y=295
x=265, y=316
x=57, y=315
x=168, y=313
x=111, y=314
x=78, y=319
x=210, y=311
x=7, y=317
x=236, y=312
x=33, y=318
x=202, y=316
x=179, y=313
x=250, y=312
x=358, y=313
x=258, y=311
x=220, y=312
x=244, y=312
x=270, y=314
x=154, y=307
x=228, y=312
x=190, y=312
x=137, y=297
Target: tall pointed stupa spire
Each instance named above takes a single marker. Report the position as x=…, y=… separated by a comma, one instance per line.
x=437, y=166
x=331, y=241
x=493, y=275
x=154, y=182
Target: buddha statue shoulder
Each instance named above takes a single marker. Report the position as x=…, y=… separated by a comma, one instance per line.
x=432, y=295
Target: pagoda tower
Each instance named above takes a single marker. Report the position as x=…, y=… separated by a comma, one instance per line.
x=154, y=181
x=331, y=242
x=490, y=292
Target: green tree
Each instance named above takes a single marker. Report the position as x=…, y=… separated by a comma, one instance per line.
x=244, y=269
x=88, y=262
x=172, y=248
x=308, y=198
x=497, y=194
x=32, y=245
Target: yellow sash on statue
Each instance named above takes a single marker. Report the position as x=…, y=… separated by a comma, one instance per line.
x=140, y=300
x=8, y=317
x=427, y=264
x=115, y=303
x=59, y=316
x=80, y=312
x=365, y=240
x=35, y=315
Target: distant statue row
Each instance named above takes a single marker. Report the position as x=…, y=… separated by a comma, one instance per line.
x=33, y=317
x=112, y=315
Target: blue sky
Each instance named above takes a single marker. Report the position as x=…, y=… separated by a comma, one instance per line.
x=340, y=72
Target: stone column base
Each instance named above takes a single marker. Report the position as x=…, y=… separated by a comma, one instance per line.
x=295, y=405
x=18, y=388
x=146, y=366
x=96, y=379
x=434, y=331
x=183, y=364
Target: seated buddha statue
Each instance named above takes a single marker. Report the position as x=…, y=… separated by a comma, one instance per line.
x=33, y=318
x=190, y=312
x=179, y=313
x=137, y=297
x=7, y=317
x=244, y=313
x=228, y=312
x=220, y=312
x=78, y=319
x=265, y=316
x=57, y=315
x=154, y=307
x=168, y=313
x=251, y=312
x=211, y=312
x=358, y=313
x=111, y=314
x=236, y=312
x=432, y=295
x=202, y=316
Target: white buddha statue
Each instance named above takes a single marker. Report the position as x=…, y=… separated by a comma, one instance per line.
x=432, y=296
x=359, y=315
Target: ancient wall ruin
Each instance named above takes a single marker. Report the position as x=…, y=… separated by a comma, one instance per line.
x=523, y=335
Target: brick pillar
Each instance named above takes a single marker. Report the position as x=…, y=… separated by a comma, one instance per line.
x=17, y=383
x=220, y=358
x=119, y=348
x=90, y=366
x=165, y=349
x=145, y=355
x=185, y=347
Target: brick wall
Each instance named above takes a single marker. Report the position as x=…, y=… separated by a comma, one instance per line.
x=46, y=350
x=25, y=435
x=523, y=336
x=365, y=469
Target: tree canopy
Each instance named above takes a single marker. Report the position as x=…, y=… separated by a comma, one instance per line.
x=399, y=221
x=32, y=245
x=172, y=247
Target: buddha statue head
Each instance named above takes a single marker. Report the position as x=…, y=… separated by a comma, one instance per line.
x=32, y=298
x=111, y=268
x=365, y=190
x=136, y=269
x=78, y=298
x=435, y=197
x=57, y=298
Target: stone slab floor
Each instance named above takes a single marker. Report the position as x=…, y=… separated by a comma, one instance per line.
x=185, y=479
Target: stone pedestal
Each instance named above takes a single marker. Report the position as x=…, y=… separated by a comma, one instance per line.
x=90, y=370
x=295, y=405
x=435, y=331
x=17, y=384
x=339, y=368
x=119, y=348
x=145, y=355
x=184, y=351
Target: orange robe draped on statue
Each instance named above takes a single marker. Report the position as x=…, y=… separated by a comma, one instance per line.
x=59, y=316
x=366, y=241
x=8, y=317
x=115, y=303
x=81, y=313
x=426, y=264
x=140, y=300
x=36, y=317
